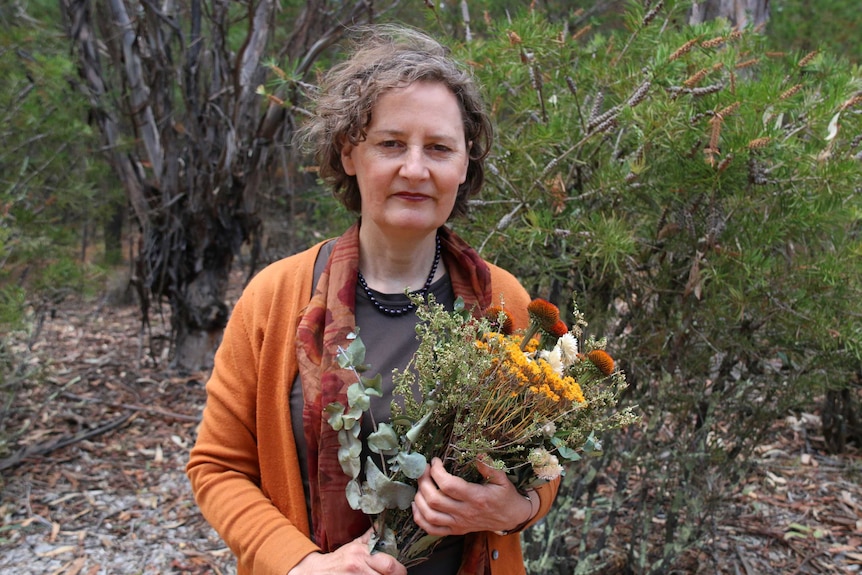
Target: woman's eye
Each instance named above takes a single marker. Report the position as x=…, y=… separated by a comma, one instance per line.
x=389, y=143
x=441, y=148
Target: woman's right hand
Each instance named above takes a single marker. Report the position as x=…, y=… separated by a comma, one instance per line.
x=350, y=559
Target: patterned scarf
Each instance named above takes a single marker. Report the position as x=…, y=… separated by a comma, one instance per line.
x=327, y=321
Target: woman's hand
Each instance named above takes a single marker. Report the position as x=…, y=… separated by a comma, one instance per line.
x=448, y=505
x=350, y=559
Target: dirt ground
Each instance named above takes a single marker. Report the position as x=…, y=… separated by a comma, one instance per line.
x=115, y=499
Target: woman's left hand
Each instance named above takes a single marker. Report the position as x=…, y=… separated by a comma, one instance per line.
x=448, y=505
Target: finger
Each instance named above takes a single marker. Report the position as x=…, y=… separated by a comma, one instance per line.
x=432, y=522
x=385, y=564
x=366, y=537
x=448, y=484
x=492, y=475
x=434, y=507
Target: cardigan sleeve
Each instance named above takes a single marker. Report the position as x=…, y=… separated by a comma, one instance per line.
x=266, y=530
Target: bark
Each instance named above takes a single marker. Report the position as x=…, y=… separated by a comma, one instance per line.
x=185, y=177
x=187, y=134
x=740, y=13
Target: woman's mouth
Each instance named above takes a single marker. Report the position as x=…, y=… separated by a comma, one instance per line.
x=411, y=196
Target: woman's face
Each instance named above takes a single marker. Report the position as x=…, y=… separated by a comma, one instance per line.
x=412, y=161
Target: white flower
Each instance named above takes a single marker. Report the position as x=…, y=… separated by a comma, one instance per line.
x=568, y=345
x=554, y=359
x=546, y=466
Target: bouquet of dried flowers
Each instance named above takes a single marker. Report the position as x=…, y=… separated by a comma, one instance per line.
x=526, y=403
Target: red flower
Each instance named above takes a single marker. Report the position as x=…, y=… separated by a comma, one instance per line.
x=559, y=329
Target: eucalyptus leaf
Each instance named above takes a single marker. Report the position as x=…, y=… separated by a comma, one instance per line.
x=411, y=464
x=373, y=385
x=413, y=432
x=353, y=356
x=356, y=397
x=392, y=494
x=354, y=494
x=333, y=413
x=402, y=420
x=564, y=450
x=349, y=453
x=371, y=502
x=592, y=444
x=459, y=304
x=385, y=542
x=349, y=465
x=352, y=416
x=384, y=440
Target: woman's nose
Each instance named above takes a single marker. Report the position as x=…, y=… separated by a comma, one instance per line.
x=414, y=165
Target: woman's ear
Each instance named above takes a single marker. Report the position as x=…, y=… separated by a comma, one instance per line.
x=467, y=162
x=347, y=159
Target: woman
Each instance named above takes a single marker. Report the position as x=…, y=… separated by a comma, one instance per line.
x=401, y=135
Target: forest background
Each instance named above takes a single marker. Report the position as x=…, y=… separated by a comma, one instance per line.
x=694, y=181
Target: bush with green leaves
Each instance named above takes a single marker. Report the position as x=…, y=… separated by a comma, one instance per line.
x=701, y=196
x=52, y=192
x=831, y=25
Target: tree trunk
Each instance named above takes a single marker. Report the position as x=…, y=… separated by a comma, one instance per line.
x=179, y=112
x=740, y=13
x=112, y=231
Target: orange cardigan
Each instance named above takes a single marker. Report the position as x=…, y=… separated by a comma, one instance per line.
x=243, y=468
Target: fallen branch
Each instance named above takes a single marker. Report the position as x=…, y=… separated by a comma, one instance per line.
x=134, y=407
x=49, y=446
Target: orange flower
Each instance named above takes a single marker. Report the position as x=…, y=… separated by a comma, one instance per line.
x=602, y=360
x=544, y=313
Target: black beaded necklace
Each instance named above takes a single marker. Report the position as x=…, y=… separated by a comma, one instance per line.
x=399, y=310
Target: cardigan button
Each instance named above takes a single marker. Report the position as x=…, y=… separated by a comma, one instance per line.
x=495, y=554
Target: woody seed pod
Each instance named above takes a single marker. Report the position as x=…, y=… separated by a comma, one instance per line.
x=759, y=143
x=683, y=50
x=695, y=78
x=650, y=16
x=722, y=165
x=640, y=94
x=728, y=110
x=807, y=58
x=788, y=93
x=857, y=99
x=747, y=63
x=712, y=43
x=711, y=89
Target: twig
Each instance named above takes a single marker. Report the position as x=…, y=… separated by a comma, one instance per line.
x=807, y=560
x=134, y=407
x=743, y=561
x=49, y=446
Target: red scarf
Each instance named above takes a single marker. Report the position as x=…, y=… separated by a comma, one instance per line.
x=327, y=321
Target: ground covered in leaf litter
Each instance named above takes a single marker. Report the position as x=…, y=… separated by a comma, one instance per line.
x=114, y=499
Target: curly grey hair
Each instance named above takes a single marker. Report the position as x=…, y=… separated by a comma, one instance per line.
x=386, y=57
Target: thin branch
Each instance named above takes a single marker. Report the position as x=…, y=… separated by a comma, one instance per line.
x=49, y=446
x=134, y=407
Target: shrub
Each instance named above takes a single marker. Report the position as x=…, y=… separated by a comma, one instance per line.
x=700, y=196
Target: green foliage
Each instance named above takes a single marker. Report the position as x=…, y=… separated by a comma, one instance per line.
x=51, y=191
x=700, y=194
x=833, y=25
